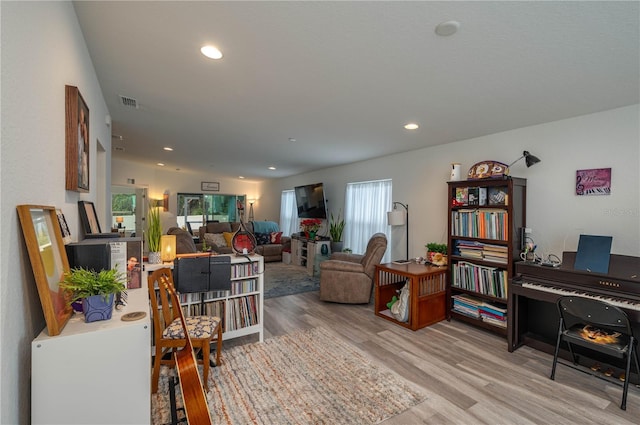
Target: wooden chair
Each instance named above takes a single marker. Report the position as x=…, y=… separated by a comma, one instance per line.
x=168, y=330
x=600, y=327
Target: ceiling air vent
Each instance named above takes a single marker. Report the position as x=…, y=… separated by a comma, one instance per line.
x=129, y=102
x=118, y=149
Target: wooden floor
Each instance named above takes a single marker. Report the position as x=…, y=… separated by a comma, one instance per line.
x=468, y=374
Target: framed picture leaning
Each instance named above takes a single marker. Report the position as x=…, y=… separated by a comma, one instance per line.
x=49, y=262
x=89, y=218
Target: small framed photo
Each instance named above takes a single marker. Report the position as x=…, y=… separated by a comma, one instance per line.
x=210, y=186
x=89, y=218
x=596, y=181
x=64, y=227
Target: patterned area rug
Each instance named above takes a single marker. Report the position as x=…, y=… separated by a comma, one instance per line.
x=286, y=279
x=308, y=377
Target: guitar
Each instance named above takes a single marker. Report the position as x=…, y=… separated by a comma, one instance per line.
x=243, y=240
x=193, y=396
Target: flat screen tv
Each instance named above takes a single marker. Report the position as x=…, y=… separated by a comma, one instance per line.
x=310, y=201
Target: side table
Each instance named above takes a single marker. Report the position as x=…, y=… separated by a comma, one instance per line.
x=427, y=299
x=319, y=259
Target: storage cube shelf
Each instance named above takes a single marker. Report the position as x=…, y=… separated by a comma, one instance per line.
x=485, y=218
x=240, y=308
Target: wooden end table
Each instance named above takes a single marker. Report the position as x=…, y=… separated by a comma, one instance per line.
x=427, y=299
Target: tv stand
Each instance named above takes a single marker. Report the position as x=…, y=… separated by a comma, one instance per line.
x=305, y=250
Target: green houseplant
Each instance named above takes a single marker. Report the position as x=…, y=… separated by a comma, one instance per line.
x=154, y=233
x=95, y=289
x=437, y=247
x=336, y=228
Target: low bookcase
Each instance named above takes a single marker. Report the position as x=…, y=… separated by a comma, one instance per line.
x=240, y=308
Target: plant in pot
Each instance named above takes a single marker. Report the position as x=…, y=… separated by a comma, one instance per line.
x=95, y=289
x=336, y=227
x=154, y=234
x=437, y=253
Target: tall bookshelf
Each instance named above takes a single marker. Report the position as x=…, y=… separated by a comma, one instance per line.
x=240, y=308
x=484, y=242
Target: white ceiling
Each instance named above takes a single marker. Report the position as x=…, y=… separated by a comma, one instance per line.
x=342, y=78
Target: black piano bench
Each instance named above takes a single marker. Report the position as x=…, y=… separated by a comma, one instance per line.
x=598, y=326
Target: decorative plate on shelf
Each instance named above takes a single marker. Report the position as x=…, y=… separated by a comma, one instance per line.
x=488, y=169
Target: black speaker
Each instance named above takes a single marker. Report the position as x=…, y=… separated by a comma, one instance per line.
x=202, y=274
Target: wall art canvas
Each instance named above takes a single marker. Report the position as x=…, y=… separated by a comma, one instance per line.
x=596, y=181
x=77, y=141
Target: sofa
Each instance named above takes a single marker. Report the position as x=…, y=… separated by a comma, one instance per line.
x=270, y=241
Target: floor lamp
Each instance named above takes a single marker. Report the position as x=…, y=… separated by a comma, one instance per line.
x=400, y=218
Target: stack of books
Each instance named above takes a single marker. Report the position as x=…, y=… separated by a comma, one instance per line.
x=483, y=251
x=493, y=314
x=467, y=305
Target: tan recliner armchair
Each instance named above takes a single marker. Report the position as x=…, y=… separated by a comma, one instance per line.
x=348, y=278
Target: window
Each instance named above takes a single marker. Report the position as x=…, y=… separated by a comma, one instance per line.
x=366, y=205
x=197, y=208
x=288, y=213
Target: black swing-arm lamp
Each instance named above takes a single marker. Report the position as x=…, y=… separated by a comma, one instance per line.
x=397, y=218
x=528, y=159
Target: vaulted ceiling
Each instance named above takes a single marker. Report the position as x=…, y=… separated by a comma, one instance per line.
x=308, y=85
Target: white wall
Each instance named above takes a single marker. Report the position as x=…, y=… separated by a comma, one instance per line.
x=42, y=50
x=556, y=215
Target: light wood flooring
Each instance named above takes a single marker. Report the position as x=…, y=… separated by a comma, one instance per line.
x=468, y=374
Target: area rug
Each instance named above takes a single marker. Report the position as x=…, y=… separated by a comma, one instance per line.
x=308, y=377
x=286, y=279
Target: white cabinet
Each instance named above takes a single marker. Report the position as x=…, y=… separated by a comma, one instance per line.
x=94, y=373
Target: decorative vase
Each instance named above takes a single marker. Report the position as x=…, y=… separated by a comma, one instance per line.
x=324, y=250
x=96, y=308
x=312, y=235
x=155, y=258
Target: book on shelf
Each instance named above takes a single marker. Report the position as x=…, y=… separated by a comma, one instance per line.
x=482, y=279
x=461, y=196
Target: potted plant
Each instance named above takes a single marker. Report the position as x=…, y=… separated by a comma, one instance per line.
x=437, y=253
x=154, y=233
x=310, y=226
x=336, y=227
x=96, y=290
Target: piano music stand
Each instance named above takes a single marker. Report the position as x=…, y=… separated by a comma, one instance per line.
x=576, y=313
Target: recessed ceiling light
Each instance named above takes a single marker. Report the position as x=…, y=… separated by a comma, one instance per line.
x=411, y=126
x=240, y=177
x=211, y=52
x=272, y=168
x=160, y=164
x=447, y=28
x=167, y=148
x=291, y=139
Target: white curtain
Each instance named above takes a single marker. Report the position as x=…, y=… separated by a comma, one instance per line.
x=366, y=205
x=288, y=213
